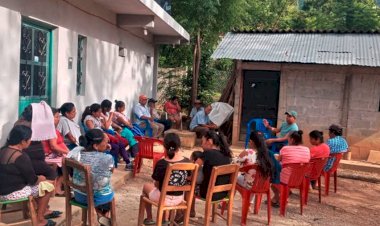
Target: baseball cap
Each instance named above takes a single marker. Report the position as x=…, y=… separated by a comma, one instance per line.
x=151, y=100
x=292, y=113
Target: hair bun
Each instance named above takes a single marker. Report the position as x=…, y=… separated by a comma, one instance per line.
x=300, y=132
x=321, y=132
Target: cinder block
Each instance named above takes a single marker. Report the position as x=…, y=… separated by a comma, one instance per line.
x=374, y=157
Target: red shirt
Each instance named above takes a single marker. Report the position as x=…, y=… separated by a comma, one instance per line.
x=60, y=142
x=320, y=151
x=171, y=108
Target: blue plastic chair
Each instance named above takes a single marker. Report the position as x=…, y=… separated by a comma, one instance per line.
x=259, y=126
x=148, y=129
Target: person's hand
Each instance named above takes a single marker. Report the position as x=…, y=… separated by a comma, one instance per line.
x=151, y=119
x=269, y=141
x=41, y=178
x=111, y=114
x=266, y=123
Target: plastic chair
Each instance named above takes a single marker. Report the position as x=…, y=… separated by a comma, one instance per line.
x=261, y=186
x=259, y=126
x=333, y=170
x=148, y=129
x=231, y=170
x=296, y=180
x=88, y=211
x=187, y=189
x=27, y=203
x=146, y=145
x=314, y=173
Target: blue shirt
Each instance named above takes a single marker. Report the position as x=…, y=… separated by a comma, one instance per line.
x=200, y=118
x=194, y=111
x=286, y=128
x=139, y=111
x=337, y=145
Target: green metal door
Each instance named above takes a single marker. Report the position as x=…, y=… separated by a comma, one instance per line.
x=35, y=65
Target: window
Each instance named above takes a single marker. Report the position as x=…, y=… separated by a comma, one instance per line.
x=81, y=65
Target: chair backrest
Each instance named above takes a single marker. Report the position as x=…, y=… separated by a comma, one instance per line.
x=146, y=145
x=232, y=170
x=259, y=126
x=338, y=157
x=188, y=188
x=315, y=168
x=261, y=184
x=297, y=173
x=68, y=165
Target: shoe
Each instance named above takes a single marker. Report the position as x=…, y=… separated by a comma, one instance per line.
x=149, y=222
x=129, y=167
x=105, y=221
x=53, y=214
x=193, y=214
x=50, y=223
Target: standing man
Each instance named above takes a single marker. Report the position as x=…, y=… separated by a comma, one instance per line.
x=201, y=123
x=143, y=116
x=286, y=127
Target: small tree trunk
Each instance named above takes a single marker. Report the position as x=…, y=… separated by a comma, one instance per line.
x=196, y=68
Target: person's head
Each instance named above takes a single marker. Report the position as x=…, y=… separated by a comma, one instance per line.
x=316, y=137
x=94, y=140
x=295, y=137
x=174, y=99
x=56, y=115
x=196, y=155
x=152, y=103
x=143, y=99
x=20, y=135
x=106, y=105
x=197, y=104
x=172, y=143
x=256, y=141
x=27, y=114
x=291, y=117
x=94, y=110
x=212, y=140
x=119, y=106
x=335, y=130
x=68, y=110
x=208, y=109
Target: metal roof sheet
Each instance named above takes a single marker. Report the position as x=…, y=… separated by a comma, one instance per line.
x=362, y=49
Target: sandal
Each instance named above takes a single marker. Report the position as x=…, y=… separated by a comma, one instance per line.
x=274, y=204
x=53, y=214
x=104, y=221
x=50, y=223
x=149, y=222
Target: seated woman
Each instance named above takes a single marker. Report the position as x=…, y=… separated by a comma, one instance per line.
x=68, y=127
x=336, y=143
x=92, y=119
x=295, y=152
x=172, y=146
x=258, y=154
x=173, y=109
x=43, y=129
x=55, y=149
x=17, y=177
x=91, y=152
x=216, y=153
x=319, y=149
x=122, y=120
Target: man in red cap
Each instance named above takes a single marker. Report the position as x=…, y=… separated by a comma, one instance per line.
x=143, y=116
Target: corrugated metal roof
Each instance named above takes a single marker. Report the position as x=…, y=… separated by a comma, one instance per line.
x=335, y=48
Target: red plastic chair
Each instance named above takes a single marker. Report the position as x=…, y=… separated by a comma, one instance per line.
x=146, y=145
x=314, y=173
x=333, y=170
x=296, y=180
x=261, y=186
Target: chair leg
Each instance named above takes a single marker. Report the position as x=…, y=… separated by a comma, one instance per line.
x=135, y=167
x=91, y=216
x=284, y=193
x=245, y=199
x=84, y=217
x=25, y=210
x=269, y=206
x=306, y=189
x=229, y=213
x=335, y=181
x=141, y=211
x=213, y=212
x=113, y=212
x=68, y=214
x=327, y=183
x=207, y=214
x=258, y=198
x=32, y=211
x=172, y=214
x=160, y=216
x=319, y=189
x=301, y=197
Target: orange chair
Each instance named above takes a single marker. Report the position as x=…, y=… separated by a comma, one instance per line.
x=146, y=145
x=297, y=174
x=314, y=173
x=333, y=170
x=261, y=186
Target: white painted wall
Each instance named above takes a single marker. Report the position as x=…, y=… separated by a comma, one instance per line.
x=107, y=75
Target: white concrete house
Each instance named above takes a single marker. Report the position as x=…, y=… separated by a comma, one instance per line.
x=81, y=51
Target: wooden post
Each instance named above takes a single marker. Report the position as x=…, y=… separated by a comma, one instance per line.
x=237, y=102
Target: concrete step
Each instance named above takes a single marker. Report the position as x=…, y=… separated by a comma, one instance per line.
x=360, y=166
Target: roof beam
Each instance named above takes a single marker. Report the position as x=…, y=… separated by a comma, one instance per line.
x=163, y=39
x=131, y=20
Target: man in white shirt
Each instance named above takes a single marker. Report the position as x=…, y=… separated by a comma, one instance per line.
x=143, y=116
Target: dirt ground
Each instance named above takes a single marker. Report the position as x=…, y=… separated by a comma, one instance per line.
x=355, y=203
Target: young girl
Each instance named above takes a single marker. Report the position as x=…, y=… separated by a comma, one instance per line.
x=172, y=146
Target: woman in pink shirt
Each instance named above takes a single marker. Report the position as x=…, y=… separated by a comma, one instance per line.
x=295, y=152
x=173, y=109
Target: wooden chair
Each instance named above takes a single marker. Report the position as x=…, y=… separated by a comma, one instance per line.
x=146, y=146
x=187, y=189
x=88, y=211
x=27, y=204
x=232, y=170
